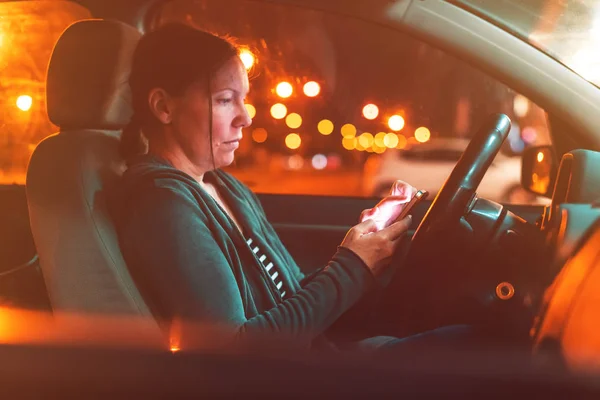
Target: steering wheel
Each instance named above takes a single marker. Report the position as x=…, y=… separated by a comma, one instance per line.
x=454, y=199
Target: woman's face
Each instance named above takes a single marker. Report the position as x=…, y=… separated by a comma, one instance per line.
x=190, y=123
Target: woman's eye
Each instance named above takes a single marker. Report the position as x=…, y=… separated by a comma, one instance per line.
x=224, y=101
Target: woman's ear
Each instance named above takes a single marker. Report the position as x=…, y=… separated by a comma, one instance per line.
x=161, y=105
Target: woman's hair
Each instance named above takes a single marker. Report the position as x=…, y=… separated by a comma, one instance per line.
x=172, y=58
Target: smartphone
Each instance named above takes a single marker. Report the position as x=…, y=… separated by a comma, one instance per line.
x=417, y=198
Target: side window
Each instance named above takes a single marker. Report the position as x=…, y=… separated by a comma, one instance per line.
x=344, y=107
x=28, y=32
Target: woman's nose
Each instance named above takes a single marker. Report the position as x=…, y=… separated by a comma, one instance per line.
x=244, y=119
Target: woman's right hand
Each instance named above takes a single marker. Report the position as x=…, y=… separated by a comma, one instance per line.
x=374, y=246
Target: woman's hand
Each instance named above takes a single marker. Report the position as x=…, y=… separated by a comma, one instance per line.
x=390, y=207
x=376, y=246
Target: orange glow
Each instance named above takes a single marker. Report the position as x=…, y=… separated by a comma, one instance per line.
x=370, y=111
x=251, y=110
x=379, y=138
x=422, y=134
x=293, y=141
x=396, y=123
x=401, y=142
x=348, y=130
x=24, y=102
x=366, y=140
x=174, y=348
x=247, y=58
x=325, y=127
x=312, y=89
x=278, y=111
x=391, y=140
x=379, y=149
x=294, y=121
x=259, y=135
x=350, y=143
x=540, y=157
x=284, y=90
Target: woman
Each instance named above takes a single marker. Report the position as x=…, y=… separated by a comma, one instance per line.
x=197, y=240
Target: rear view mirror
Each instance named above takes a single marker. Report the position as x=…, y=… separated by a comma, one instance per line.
x=538, y=171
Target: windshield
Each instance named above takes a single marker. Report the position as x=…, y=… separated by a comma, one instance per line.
x=568, y=30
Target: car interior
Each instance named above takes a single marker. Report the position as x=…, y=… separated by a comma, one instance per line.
x=527, y=276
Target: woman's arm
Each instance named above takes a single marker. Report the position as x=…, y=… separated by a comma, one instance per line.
x=185, y=271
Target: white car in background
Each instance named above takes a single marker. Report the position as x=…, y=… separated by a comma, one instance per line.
x=427, y=166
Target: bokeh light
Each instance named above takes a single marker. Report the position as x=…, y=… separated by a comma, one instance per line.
x=251, y=110
x=319, y=161
x=396, y=123
x=293, y=141
x=391, y=140
x=294, y=121
x=348, y=130
x=312, y=89
x=378, y=141
x=422, y=135
x=284, y=90
x=401, y=142
x=278, y=111
x=24, y=102
x=247, y=58
x=259, y=135
x=366, y=140
x=349, y=143
x=325, y=127
x=370, y=111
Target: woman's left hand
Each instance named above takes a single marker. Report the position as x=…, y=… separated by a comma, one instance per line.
x=390, y=207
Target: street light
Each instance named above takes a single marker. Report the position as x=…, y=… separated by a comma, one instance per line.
x=24, y=102
x=370, y=111
x=247, y=58
x=312, y=89
x=284, y=90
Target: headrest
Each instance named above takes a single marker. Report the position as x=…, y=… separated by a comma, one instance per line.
x=87, y=86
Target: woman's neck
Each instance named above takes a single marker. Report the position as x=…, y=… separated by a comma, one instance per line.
x=178, y=159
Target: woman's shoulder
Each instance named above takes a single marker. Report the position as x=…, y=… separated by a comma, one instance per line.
x=149, y=172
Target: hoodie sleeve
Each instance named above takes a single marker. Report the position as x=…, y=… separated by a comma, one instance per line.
x=177, y=260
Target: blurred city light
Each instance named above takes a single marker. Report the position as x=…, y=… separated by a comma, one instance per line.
x=312, y=89
x=529, y=134
x=396, y=123
x=247, y=58
x=259, y=135
x=390, y=140
x=293, y=141
x=251, y=110
x=348, y=131
x=540, y=156
x=24, y=102
x=366, y=140
x=349, y=143
x=319, y=161
x=379, y=149
x=278, y=111
x=401, y=142
x=325, y=127
x=379, y=138
x=293, y=120
x=284, y=90
x=295, y=162
x=520, y=106
x=422, y=135
x=370, y=111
